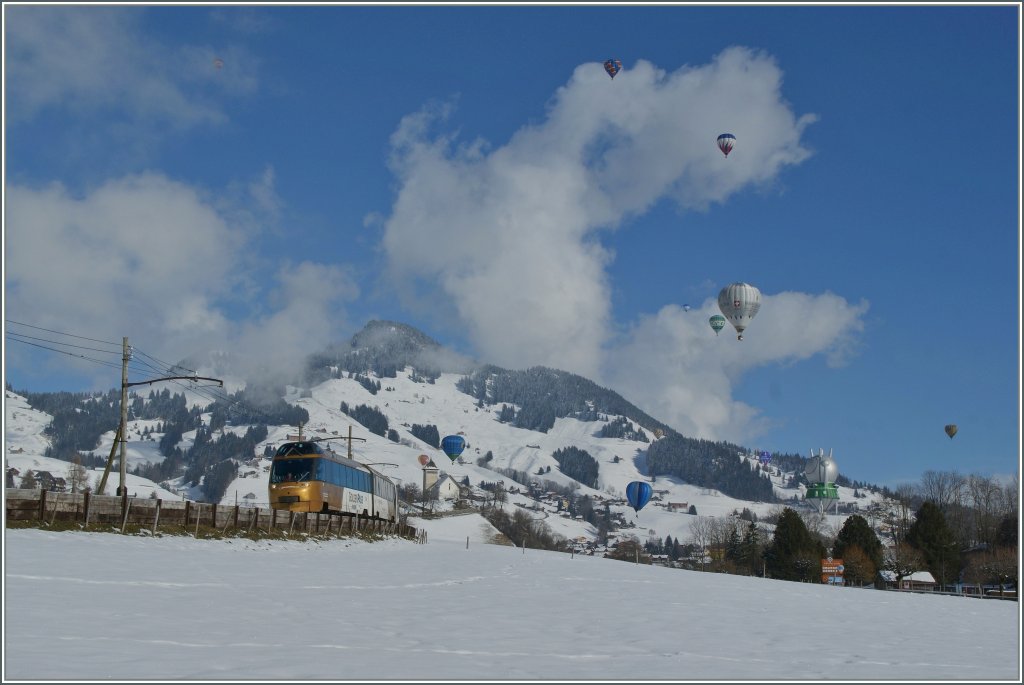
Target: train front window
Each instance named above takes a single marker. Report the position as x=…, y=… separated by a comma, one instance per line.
x=292, y=470
x=290, y=449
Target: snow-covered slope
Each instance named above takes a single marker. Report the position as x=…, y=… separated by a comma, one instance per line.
x=173, y=608
x=405, y=403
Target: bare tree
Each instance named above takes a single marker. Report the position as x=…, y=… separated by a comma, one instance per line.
x=944, y=488
x=986, y=497
x=998, y=565
x=78, y=475
x=702, y=533
x=900, y=518
x=902, y=560
x=500, y=496
x=859, y=569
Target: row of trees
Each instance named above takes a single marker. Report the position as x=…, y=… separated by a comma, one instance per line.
x=622, y=428
x=798, y=544
x=544, y=395
x=577, y=464
x=711, y=465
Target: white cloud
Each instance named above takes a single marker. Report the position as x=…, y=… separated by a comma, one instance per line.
x=154, y=259
x=308, y=305
x=508, y=238
x=98, y=62
x=676, y=369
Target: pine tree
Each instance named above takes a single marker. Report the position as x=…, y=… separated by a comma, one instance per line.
x=793, y=553
x=930, y=534
x=856, y=532
x=28, y=481
x=750, y=553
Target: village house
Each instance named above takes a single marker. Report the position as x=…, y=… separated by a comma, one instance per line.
x=445, y=488
x=47, y=481
x=920, y=580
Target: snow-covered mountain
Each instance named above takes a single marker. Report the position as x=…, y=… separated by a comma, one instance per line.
x=429, y=395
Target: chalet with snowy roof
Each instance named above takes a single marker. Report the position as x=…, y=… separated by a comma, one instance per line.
x=919, y=580
x=47, y=481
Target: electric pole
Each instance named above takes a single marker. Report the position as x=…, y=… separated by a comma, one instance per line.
x=122, y=429
x=126, y=354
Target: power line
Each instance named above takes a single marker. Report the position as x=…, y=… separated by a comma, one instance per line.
x=70, y=335
x=143, y=367
x=70, y=354
x=57, y=342
x=169, y=366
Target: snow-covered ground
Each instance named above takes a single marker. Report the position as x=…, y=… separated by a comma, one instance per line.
x=94, y=606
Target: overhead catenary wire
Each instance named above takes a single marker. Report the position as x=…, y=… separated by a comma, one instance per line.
x=146, y=370
x=102, y=362
x=70, y=335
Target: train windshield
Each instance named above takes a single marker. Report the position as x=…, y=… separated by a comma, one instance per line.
x=290, y=449
x=291, y=470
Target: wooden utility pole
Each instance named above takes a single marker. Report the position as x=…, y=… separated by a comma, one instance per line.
x=122, y=429
x=126, y=355
x=110, y=460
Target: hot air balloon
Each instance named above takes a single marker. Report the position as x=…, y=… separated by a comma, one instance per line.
x=717, y=322
x=686, y=307
x=739, y=303
x=951, y=430
x=765, y=457
x=725, y=143
x=218, y=63
x=452, y=445
x=423, y=459
x=612, y=66
x=638, y=493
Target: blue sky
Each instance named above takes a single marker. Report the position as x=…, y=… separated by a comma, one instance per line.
x=473, y=172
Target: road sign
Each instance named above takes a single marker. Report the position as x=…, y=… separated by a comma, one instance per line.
x=832, y=571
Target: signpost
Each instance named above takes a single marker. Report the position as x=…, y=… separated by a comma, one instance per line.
x=832, y=571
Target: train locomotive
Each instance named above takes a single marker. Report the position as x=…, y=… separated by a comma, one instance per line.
x=306, y=477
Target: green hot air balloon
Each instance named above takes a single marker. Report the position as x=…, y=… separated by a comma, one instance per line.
x=717, y=322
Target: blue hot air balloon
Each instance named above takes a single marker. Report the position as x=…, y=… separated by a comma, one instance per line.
x=638, y=493
x=452, y=445
x=765, y=457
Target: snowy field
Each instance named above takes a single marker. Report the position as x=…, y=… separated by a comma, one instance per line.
x=94, y=606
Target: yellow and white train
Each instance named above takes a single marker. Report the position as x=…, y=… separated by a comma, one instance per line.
x=306, y=477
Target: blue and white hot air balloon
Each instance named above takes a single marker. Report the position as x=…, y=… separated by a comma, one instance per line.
x=726, y=142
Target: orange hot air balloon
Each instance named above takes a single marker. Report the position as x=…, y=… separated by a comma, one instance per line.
x=423, y=459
